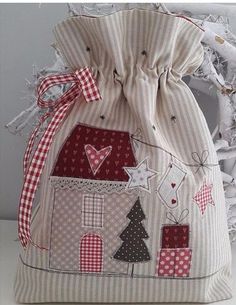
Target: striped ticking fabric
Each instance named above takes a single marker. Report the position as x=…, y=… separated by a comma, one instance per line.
x=140, y=91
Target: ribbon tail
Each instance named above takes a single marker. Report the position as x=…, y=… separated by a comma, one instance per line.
x=33, y=175
x=31, y=142
x=82, y=82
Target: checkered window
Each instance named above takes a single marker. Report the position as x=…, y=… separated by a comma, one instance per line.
x=93, y=210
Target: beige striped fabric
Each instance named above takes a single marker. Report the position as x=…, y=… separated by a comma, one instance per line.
x=139, y=58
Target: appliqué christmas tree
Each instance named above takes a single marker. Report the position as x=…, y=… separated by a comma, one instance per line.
x=133, y=249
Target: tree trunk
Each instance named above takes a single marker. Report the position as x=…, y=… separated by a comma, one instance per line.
x=132, y=271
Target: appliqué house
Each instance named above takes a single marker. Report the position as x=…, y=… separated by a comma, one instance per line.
x=90, y=201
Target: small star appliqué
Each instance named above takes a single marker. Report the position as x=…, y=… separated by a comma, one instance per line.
x=140, y=176
x=204, y=197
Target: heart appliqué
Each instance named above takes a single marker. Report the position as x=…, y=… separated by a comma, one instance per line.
x=173, y=185
x=173, y=201
x=96, y=157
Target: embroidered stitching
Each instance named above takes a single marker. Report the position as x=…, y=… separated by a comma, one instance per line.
x=133, y=249
x=174, y=262
x=96, y=157
x=204, y=197
x=170, y=184
x=91, y=253
x=175, y=235
x=93, y=210
x=115, y=148
x=77, y=273
x=137, y=136
x=170, y=154
x=140, y=176
x=201, y=160
x=89, y=185
x=67, y=228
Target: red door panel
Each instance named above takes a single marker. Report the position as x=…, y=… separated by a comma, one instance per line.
x=91, y=253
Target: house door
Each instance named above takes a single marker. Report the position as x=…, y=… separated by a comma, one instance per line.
x=91, y=253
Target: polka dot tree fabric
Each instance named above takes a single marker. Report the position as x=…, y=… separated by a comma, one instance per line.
x=133, y=248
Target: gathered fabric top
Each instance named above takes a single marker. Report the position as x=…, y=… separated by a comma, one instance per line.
x=131, y=39
x=138, y=58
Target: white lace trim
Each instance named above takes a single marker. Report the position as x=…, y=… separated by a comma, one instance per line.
x=98, y=186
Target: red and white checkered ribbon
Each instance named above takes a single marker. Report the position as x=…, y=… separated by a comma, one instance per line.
x=82, y=83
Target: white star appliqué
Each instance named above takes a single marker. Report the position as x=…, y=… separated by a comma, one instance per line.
x=139, y=176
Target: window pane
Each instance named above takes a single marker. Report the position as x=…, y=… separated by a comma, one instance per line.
x=93, y=210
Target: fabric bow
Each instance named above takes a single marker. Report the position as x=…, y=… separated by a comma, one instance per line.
x=82, y=82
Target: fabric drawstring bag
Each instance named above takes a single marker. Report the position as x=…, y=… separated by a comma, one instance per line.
x=131, y=205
